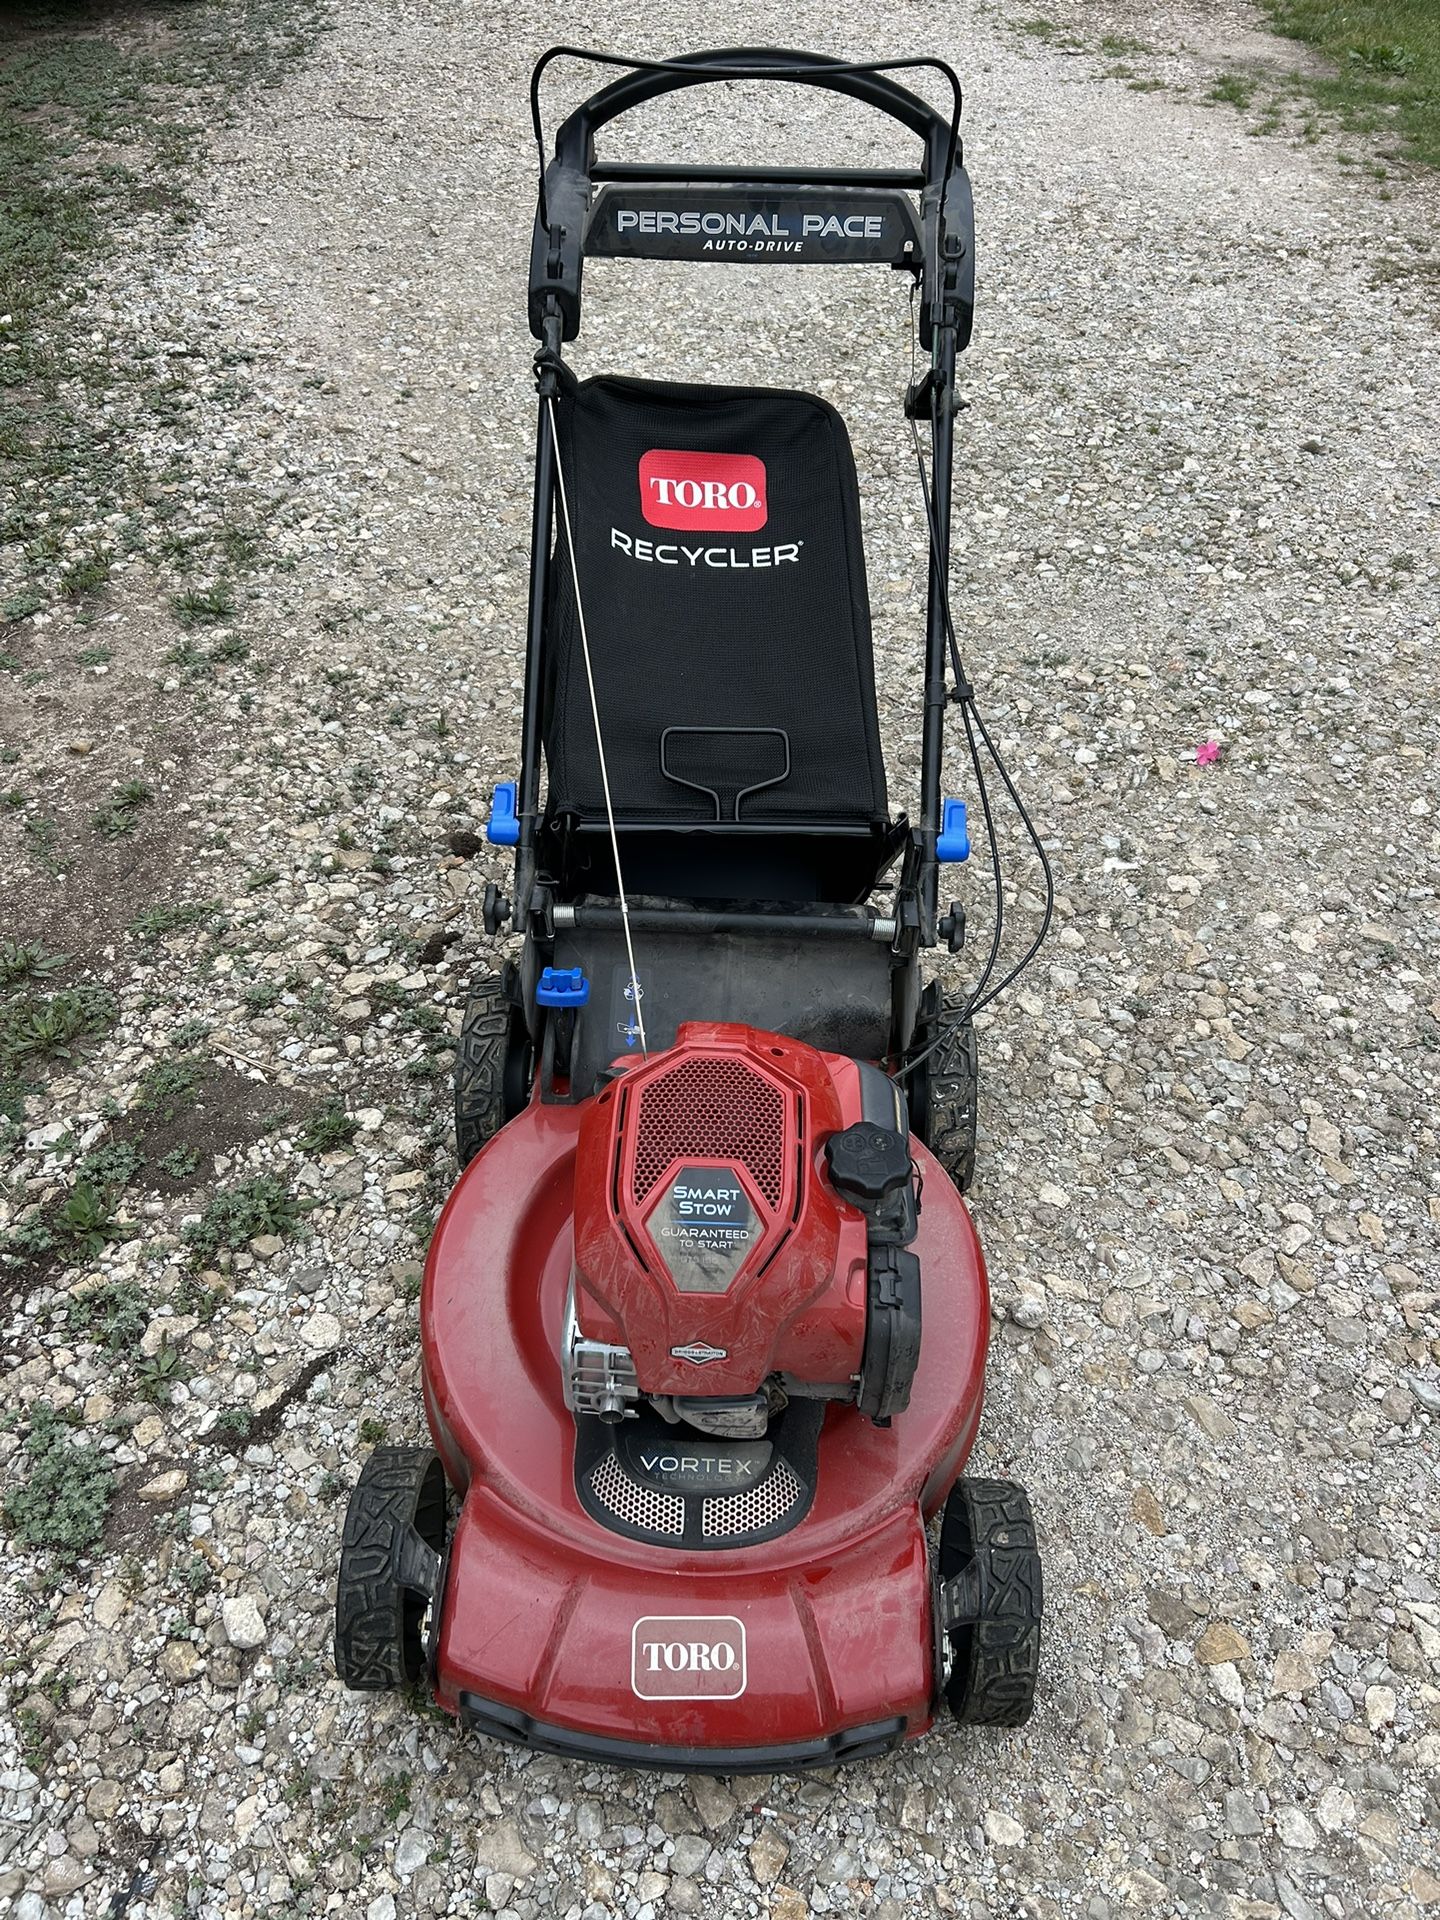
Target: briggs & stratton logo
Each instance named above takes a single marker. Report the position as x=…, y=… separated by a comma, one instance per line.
x=688, y=1657
x=687, y=490
x=699, y=1353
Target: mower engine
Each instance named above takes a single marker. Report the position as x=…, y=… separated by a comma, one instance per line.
x=744, y=1207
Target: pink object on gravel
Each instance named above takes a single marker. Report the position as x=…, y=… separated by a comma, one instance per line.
x=1207, y=753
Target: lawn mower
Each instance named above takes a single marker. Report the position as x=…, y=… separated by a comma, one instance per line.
x=689, y=1424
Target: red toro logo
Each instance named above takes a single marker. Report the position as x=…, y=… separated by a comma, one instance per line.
x=688, y=1657
x=725, y=491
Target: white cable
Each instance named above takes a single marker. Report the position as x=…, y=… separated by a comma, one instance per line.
x=599, y=741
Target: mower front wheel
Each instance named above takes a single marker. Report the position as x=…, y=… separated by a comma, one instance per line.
x=991, y=1597
x=390, y=1568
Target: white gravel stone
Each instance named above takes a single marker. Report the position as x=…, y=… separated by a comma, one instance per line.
x=322, y=1331
x=412, y=1850
x=501, y=1849
x=165, y=1486
x=1379, y=1707
x=1002, y=1829
x=1296, y=1830
x=244, y=1622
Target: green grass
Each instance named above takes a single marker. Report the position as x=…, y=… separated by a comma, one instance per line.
x=1386, y=56
x=1234, y=90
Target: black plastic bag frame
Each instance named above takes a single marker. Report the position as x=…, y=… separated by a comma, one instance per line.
x=947, y=287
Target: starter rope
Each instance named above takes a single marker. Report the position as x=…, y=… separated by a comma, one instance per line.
x=599, y=739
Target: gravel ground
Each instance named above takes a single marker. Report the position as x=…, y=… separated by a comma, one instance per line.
x=1197, y=498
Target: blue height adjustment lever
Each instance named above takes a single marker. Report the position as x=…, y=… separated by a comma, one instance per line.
x=502, y=829
x=953, y=840
x=562, y=987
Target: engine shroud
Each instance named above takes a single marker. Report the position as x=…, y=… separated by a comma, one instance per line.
x=708, y=1241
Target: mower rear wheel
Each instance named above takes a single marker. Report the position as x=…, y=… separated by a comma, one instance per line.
x=389, y=1568
x=949, y=1103
x=491, y=1066
x=992, y=1587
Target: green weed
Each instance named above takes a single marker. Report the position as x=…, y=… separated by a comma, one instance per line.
x=327, y=1129
x=179, y=1164
x=156, y=922
x=86, y=575
x=113, y=1313
x=239, y=1214
x=115, y=1164
x=22, y=961
x=118, y=817
x=159, y=1373
x=233, y=1426
x=52, y=1025
x=60, y=1506
x=167, y=1090
x=197, y=605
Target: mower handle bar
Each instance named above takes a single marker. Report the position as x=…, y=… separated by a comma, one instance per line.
x=566, y=195
x=866, y=81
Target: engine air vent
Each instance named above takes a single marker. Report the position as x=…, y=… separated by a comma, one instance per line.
x=711, y=1110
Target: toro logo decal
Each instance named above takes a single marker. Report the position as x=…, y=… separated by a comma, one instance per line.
x=720, y=491
x=688, y=1657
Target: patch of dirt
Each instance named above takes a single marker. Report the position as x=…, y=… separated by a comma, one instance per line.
x=129, y=1851
x=177, y=1135
x=132, y=1524
x=68, y=749
x=218, y=1112
x=1224, y=32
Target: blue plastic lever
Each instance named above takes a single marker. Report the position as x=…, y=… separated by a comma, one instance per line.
x=953, y=842
x=502, y=829
x=562, y=987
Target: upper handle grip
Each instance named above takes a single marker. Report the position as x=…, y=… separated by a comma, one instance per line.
x=860, y=80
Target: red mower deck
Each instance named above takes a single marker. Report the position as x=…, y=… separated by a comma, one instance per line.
x=545, y=1612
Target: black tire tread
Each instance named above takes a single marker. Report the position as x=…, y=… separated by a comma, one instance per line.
x=988, y=1529
x=953, y=1107
x=377, y=1617
x=480, y=1067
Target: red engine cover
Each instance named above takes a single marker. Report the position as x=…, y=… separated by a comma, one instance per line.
x=707, y=1239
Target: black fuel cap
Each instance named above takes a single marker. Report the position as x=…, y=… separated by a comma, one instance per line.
x=867, y=1162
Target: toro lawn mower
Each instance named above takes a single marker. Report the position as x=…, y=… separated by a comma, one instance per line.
x=714, y=1124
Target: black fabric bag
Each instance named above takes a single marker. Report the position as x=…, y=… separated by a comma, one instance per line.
x=717, y=536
